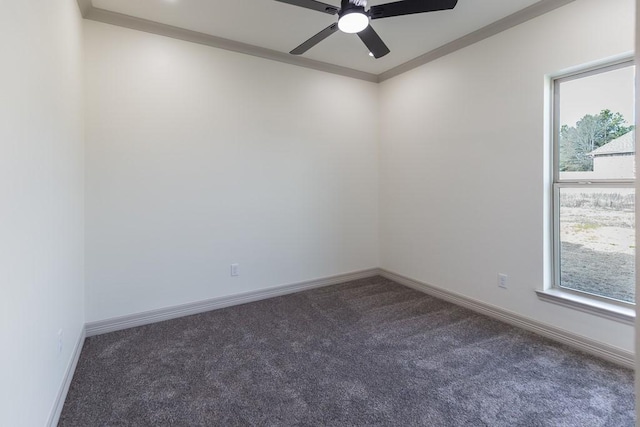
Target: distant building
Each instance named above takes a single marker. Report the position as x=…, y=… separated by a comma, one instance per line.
x=616, y=159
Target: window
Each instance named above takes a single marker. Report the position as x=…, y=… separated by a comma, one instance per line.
x=593, y=183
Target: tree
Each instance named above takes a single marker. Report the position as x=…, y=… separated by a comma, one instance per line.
x=589, y=133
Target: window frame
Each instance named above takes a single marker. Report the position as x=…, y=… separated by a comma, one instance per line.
x=557, y=183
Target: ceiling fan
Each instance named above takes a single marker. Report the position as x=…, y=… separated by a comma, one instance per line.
x=352, y=18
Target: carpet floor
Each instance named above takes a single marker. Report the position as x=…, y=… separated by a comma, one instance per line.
x=368, y=352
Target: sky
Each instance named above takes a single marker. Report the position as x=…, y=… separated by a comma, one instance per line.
x=612, y=90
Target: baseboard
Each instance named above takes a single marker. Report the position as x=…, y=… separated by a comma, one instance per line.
x=607, y=352
x=579, y=342
x=56, y=411
x=168, y=313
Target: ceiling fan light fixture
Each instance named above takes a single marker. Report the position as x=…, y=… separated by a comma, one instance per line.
x=353, y=18
x=353, y=21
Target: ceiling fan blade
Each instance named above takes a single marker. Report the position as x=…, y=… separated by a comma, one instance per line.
x=373, y=41
x=408, y=7
x=313, y=5
x=315, y=39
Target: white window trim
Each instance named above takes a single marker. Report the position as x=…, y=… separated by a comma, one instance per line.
x=582, y=301
x=589, y=304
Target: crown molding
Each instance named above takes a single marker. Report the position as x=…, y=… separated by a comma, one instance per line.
x=520, y=17
x=100, y=15
x=85, y=6
x=131, y=22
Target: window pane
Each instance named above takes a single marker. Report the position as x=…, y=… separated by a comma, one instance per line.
x=597, y=241
x=595, y=119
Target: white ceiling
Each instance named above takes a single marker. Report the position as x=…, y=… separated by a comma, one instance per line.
x=282, y=27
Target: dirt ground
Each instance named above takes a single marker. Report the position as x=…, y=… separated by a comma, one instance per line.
x=598, y=251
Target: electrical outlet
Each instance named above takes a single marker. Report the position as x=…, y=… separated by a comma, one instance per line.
x=502, y=280
x=234, y=269
x=60, y=339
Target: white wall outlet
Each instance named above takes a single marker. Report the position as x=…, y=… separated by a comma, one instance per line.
x=502, y=280
x=60, y=338
x=234, y=269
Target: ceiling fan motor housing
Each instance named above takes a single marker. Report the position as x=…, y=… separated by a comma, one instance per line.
x=354, y=9
x=362, y=3
x=347, y=5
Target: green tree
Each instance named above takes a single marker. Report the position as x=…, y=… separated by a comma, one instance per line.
x=589, y=133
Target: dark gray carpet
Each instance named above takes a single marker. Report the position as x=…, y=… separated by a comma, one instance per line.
x=368, y=352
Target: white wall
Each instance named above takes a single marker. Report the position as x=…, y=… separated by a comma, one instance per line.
x=41, y=203
x=462, y=161
x=198, y=158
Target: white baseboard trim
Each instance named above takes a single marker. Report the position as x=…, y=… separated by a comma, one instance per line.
x=56, y=410
x=168, y=313
x=604, y=351
x=610, y=353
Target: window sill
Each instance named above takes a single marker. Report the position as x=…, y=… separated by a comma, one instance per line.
x=589, y=305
